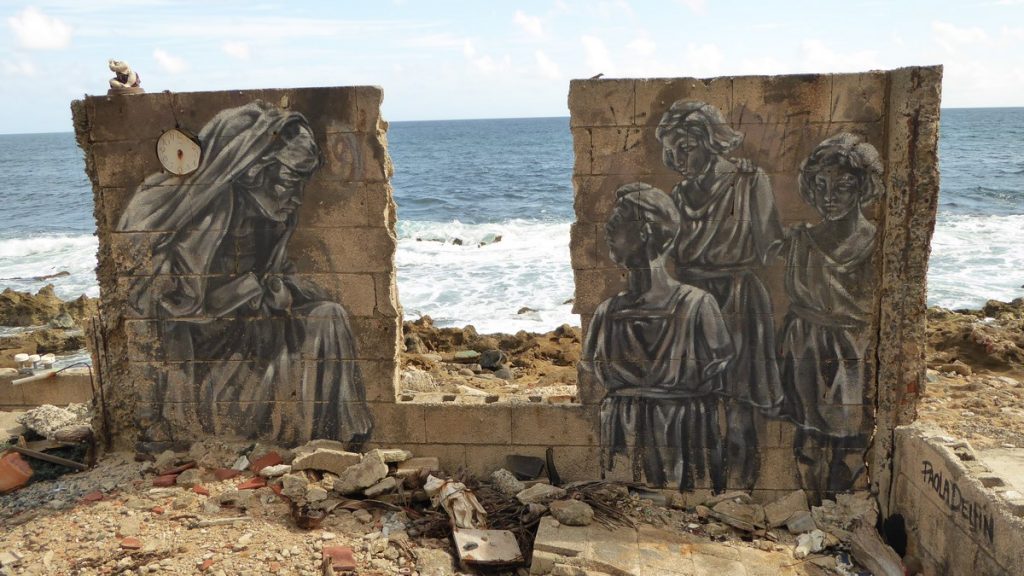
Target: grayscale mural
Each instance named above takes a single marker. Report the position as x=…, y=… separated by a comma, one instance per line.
x=699, y=380
x=824, y=340
x=729, y=230
x=668, y=411
x=248, y=346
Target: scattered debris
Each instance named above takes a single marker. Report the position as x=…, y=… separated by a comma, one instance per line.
x=487, y=548
x=458, y=501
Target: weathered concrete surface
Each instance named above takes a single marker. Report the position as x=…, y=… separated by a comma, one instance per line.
x=962, y=516
x=255, y=296
x=648, y=551
x=72, y=386
x=808, y=428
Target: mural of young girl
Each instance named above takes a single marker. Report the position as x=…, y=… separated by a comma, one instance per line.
x=824, y=338
x=661, y=350
x=729, y=229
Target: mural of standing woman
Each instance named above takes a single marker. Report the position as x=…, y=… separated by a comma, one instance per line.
x=729, y=229
x=660, y=350
x=250, y=347
x=824, y=338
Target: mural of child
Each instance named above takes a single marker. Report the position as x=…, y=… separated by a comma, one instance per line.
x=824, y=339
x=661, y=351
x=729, y=229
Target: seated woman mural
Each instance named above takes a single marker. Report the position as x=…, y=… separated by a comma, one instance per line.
x=660, y=350
x=249, y=347
x=824, y=338
x=729, y=230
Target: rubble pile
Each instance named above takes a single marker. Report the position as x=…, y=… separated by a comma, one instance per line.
x=225, y=508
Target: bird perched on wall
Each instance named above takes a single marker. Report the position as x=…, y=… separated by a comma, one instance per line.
x=596, y=76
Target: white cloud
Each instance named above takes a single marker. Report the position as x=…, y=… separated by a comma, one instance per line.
x=532, y=25
x=170, y=63
x=597, y=57
x=37, y=31
x=548, y=68
x=642, y=46
x=237, y=50
x=819, y=57
x=468, y=48
x=695, y=6
x=617, y=10
x=19, y=68
x=703, y=60
x=952, y=37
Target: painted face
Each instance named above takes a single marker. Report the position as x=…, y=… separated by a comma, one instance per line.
x=622, y=233
x=281, y=193
x=685, y=153
x=836, y=192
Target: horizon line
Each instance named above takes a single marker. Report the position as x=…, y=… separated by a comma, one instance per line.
x=508, y=118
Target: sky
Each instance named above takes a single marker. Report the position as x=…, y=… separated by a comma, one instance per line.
x=448, y=59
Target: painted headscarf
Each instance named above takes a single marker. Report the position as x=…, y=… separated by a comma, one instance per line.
x=848, y=151
x=194, y=211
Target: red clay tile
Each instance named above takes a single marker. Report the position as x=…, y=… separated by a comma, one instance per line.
x=201, y=490
x=178, y=469
x=206, y=565
x=165, y=480
x=130, y=543
x=268, y=459
x=94, y=496
x=252, y=484
x=340, y=557
x=225, y=473
x=157, y=509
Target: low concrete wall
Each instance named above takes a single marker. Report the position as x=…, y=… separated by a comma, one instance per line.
x=69, y=387
x=961, y=516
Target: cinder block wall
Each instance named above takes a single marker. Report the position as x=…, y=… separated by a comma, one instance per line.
x=959, y=517
x=174, y=365
x=266, y=373
x=727, y=223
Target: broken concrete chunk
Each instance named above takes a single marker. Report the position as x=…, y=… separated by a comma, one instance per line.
x=319, y=443
x=275, y=471
x=386, y=485
x=294, y=486
x=487, y=548
x=748, y=517
x=393, y=455
x=540, y=493
x=507, y=483
x=241, y=464
x=800, y=522
x=315, y=493
x=325, y=459
x=736, y=495
x=433, y=562
x=572, y=512
x=779, y=511
x=361, y=476
x=189, y=478
x=414, y=465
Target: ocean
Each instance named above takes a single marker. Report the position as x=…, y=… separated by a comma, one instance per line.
x=462, y=184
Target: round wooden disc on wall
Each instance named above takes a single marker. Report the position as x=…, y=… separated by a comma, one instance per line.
x=178, y=152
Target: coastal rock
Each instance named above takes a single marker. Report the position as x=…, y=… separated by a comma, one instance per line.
x=27, y=309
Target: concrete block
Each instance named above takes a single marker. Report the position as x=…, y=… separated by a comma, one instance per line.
x=461, y=424
x=601, y=102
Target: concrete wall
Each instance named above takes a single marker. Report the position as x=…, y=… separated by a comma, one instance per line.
x=178, y=360
x=960, y=516
x=741, y=330
x=227, y=307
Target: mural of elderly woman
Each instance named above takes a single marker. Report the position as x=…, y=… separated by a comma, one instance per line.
x=824, y=339
x=250, y=348
x=660, y=350
x=729, y=229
